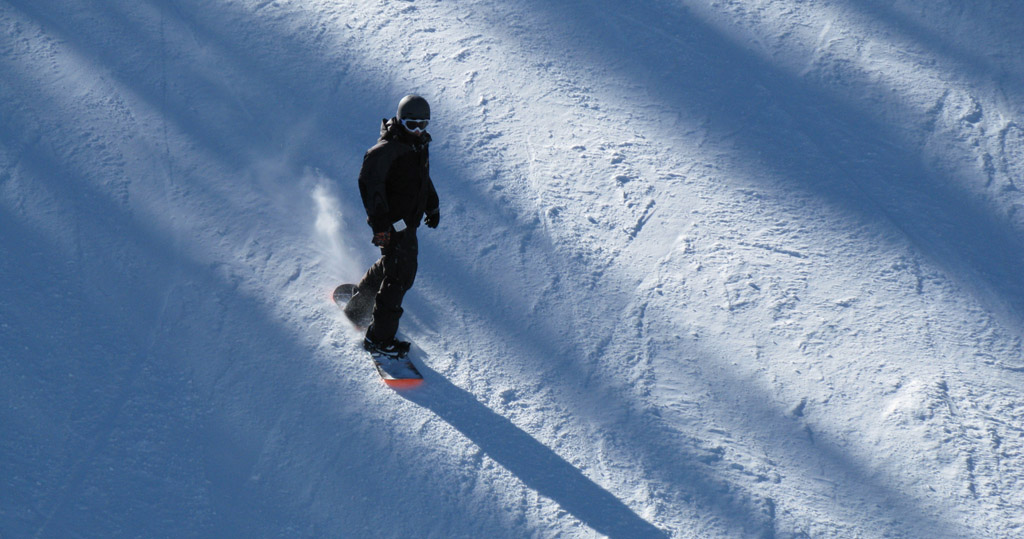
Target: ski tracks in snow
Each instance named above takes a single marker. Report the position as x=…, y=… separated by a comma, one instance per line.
x=675, y=274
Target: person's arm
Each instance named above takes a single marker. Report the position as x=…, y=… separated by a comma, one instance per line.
x=433, y=207
x=373, y=187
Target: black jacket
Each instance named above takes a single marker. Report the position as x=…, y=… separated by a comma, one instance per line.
x=394, y=180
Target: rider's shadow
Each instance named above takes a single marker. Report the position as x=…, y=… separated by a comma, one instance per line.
x=532, y=462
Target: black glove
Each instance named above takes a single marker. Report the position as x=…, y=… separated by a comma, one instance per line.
x=382, y=239
x=433, y=218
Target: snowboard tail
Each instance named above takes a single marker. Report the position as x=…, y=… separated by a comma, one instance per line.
x=344, y=293
x=359, y=317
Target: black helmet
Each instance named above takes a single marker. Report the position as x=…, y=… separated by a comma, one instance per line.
x=413, y=107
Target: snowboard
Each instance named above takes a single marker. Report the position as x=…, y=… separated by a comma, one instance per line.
x=397, y=372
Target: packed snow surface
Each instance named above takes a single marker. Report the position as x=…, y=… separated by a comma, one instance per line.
x=733, y=268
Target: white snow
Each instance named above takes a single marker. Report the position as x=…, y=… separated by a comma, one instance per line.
x=734, y=268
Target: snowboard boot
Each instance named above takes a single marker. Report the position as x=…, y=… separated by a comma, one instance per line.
x=392, y=348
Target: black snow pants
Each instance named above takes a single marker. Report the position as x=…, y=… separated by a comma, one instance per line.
x=392, y=276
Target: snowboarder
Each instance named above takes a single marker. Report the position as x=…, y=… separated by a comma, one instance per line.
x=398, y=194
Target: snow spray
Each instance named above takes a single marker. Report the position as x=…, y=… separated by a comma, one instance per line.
x=329, y=240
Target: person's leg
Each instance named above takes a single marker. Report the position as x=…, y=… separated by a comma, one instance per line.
x=398, y=269
x=360, y=307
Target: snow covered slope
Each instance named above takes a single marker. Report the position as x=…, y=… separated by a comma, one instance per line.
x=705, y=269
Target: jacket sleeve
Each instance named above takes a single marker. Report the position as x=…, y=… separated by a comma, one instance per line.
x=432, y=201
x=373, y=187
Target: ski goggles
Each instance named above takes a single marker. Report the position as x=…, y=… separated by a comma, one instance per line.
x=415, y=126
